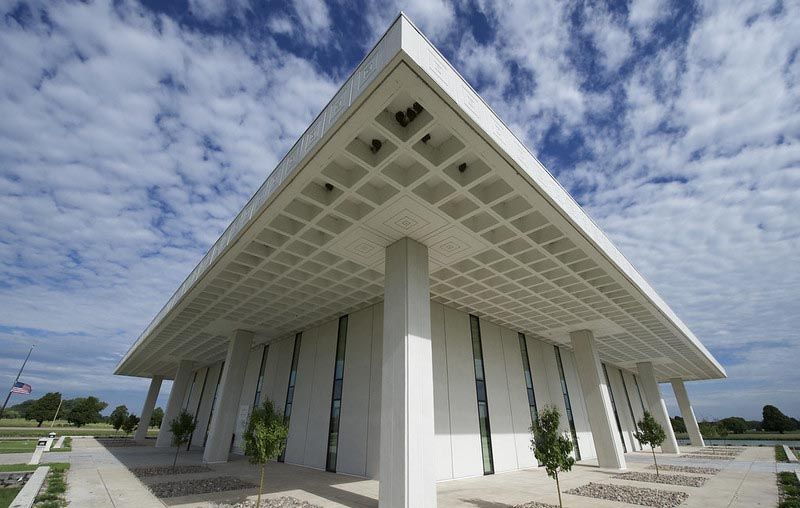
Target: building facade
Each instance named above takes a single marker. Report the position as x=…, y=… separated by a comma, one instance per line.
x=410, y=286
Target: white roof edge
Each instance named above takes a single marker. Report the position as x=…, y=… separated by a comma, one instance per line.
x=425, y=54
x=404, y=37
x=364, y=75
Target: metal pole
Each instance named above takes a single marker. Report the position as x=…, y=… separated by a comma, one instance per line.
x=3, y=409
x=60, y=401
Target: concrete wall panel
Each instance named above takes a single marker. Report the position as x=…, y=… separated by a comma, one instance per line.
x=441, y=398
x=579, y=411
x=319, y=415
x=276, y=375
x=518, y=398
x=245, y=406
x=465, y=437
x=205, y=404
x=504, y=450
x=354, y=421
x=298, y=423
x=374, y=425
x=624, y=413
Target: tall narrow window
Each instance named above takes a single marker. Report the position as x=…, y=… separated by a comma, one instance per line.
x=189, y=392
x=526, y=367
x=638, y=391
x=627, y=398
x=213, y=402
x=614, y=408
x=287, y=409
x=260, y=380
x=197, y=408
x=483, y=404
x=336, y=397
x=567, y=405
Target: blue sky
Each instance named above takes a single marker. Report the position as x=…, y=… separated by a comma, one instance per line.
x=132, y=133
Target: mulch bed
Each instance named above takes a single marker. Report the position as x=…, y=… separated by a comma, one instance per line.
x=687, y=469
x=632, y=495
x=198, y=486
x=147, y=471
x=667, y=479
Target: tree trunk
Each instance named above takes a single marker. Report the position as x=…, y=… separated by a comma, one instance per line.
x=654, y=459
x=558, y=488
x=260, y=486
x=40, y=424
x=175, y=460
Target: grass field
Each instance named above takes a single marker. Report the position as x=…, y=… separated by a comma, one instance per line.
x=71, y=431
x=8, y=495
x=21, y=422
x=12, y=468
x=18, y=446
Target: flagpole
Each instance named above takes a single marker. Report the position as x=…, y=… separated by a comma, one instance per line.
x=60, y=401
x=3, y=409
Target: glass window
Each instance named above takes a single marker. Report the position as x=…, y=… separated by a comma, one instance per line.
x=526, y=368
x=260, y=380
x=287, y=408
x=480, y=389
x=336, y=396
x=567, y=405
x=614, y=408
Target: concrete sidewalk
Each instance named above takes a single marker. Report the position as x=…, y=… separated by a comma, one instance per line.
x=100, y=477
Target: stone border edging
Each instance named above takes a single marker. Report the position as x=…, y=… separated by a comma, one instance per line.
x=27, y=495
x=789, y=454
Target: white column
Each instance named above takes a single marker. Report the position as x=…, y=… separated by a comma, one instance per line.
x=407, y=476
x=176, y=396
x=687, y=412
x=606, y=438
x=147, y=409
x=658, y=409
x=220, y=432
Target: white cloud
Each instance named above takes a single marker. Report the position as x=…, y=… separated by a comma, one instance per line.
x=314, y=20
x=644, y=14
x=216, y=10
x=611, y=38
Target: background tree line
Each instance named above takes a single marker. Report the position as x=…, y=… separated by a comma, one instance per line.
x=78, y=411
x=772, y=420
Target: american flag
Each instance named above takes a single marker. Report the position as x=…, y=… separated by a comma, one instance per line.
x=22, y=388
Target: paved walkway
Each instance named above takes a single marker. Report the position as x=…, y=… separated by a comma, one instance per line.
x=100, y=478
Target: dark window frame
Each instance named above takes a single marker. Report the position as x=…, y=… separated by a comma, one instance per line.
x=336, y=396
x=484, y=423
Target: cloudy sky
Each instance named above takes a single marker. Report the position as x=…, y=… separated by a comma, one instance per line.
x=132, y=133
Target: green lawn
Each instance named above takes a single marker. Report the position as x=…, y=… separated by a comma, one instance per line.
x=18, y=446
x=8, y=495
x=789, y=487
x=13, y=468
x=72, y=431
x=789, y=436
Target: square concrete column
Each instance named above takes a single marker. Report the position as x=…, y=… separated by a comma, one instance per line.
x=220, y=432
x=407, y=475
x=176, y=396
x=607, y=441
x=658, y=409
x=147, y=409
x=687, y=412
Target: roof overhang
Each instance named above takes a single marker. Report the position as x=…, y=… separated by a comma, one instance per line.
x=506, y=241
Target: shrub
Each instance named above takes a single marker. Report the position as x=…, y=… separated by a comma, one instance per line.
x=550, y=447
x=650, y=433
x=264, y=439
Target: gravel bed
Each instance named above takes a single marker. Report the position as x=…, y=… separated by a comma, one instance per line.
x=281, y=502
x=14, y=480
x=117, y=442
x=145, y=471
x=198, y=486
x=535, y=504
x=632, y=495
x=687, y=469
x=705, y=457
x=667, y=479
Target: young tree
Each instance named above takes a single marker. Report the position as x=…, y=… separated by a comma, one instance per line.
x=650, y=433
x=551, y=448
x=117, y=417
x=130, y=423
x=264, y=439
x=44, y=408
x=181, y=428
x=85, y=410
x=156, y=417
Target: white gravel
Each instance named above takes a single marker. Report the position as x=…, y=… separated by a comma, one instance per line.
x=281, y=502
x=687, y=469
x=198, y=486
x=705, y=457
x=632, y=495
x=535, y=504
x=145, y=471
x=667, y=479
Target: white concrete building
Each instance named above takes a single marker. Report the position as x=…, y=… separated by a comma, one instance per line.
x=408, y=286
